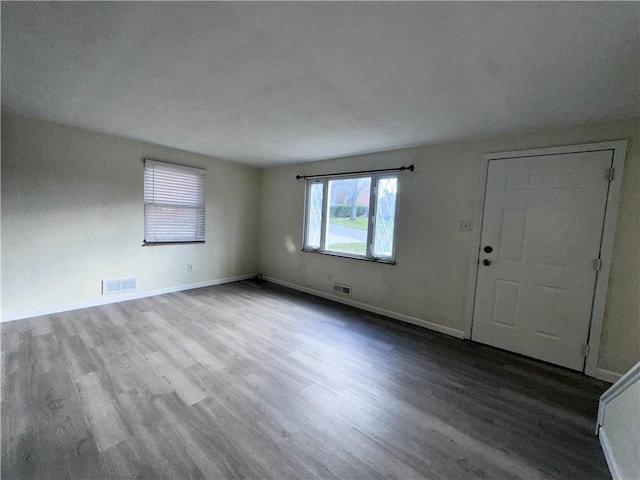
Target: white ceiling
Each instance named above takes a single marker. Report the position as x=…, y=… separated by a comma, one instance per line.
x=270, y=82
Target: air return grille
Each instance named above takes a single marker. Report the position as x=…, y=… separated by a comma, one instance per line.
x=119, y=285
x=342, y=289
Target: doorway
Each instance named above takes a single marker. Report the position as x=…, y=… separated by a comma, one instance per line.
x=543, y=251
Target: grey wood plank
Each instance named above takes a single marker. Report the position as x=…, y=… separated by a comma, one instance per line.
x=180, y=381
x=76, y=356
x=251, y=380
x=114, y=314
x=41, y=325
x=54, y=424
x=107, y=425
x=128, y=370
x=172, y=349
x=181, y=335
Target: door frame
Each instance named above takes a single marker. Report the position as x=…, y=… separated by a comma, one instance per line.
x=619, y=148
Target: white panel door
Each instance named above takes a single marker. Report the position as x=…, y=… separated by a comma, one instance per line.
x=541, y=233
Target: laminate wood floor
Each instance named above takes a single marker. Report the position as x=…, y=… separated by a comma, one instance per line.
x=251, y=380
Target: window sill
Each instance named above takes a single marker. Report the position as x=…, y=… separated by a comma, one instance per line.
x=157, y=244
x=353, y=257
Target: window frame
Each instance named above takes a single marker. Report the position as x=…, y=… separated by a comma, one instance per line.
x=201, y=174
x=373, y=210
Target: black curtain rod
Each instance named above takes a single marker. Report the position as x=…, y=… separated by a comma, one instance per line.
x=411, y=168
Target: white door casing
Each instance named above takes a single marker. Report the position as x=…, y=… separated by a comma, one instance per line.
x=544, y=213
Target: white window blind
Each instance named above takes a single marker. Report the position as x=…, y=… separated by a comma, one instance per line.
x=174, y=205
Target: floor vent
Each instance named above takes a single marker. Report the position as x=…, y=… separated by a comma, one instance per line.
x=119, y=285
x=343, y=289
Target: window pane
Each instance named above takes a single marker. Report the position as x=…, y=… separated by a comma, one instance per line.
x=348, y=215
x=314, y=215
x=385, y=217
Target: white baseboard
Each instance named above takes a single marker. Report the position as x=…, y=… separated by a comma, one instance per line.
x=608, y=455
x=118, y=298
x=606, y=375
x=370, y=308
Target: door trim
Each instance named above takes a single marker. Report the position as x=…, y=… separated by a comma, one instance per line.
x=619, y=148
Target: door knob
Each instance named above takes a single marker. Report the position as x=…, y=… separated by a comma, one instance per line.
x=486, y=262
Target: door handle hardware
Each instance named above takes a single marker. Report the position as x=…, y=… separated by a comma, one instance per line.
x=486, y=262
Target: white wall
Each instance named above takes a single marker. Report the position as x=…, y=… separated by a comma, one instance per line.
x=431, y=278
x=622, y=426
x=72, y=215
x=619, y=426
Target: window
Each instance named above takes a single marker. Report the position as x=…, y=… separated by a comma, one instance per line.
x=173, y=203
x=352, y=216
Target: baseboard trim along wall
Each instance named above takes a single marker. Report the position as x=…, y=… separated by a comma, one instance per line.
x=607, y=375
x=370, y=308
x=119, y=298
x=600, y=374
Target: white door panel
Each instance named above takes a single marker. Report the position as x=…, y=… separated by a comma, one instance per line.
x=543, y=217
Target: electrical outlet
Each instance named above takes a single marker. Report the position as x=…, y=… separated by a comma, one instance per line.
x=465, y=225
x=329, y=277
x=189, y=267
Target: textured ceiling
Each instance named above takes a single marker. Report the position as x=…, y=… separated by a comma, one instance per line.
x=269, y=82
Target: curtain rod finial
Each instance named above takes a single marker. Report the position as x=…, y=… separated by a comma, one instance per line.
x=298, y=177
x=411, y=168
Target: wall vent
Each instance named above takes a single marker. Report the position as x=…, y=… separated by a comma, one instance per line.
x=119, y=285
x=342, y=289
